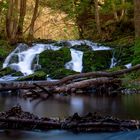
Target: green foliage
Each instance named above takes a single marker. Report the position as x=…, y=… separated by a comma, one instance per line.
x=130, y=80
x=136, y=58
x=117, y=68
x=5, y=49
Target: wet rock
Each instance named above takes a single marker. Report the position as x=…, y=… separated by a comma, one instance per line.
x=6, y=71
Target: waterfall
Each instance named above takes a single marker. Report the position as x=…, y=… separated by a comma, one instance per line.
x=113, y=61
x=92, y=45
x=22, y=58
x=26, y=57
x=76, y=62
x=129, y=65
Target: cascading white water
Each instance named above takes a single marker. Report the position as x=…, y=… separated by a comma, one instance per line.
x=25, y=55
x=93, y=46
x=25, y=58
x=76, y=62
x=113, y=61
x=128, y=66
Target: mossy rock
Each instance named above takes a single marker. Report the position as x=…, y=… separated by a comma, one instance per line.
x=96, y=60
x=18, y=73
x=51, y=60
x=117, y=68
x=83, y=48
x=38, y=75
x=61, y=73
x=123, y=49
x=6, y=71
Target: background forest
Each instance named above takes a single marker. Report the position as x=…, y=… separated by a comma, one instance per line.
x=110, y=22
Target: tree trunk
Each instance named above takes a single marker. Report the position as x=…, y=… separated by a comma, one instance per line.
x=123, y=10
x=12, y=20
x=31, y=30
x=9, y=18
x=137, y=18
x=97, y=17
x=114, y=10
x=21, y=19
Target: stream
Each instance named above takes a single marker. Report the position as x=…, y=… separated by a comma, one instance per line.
x=123, y=106
x=60, y=106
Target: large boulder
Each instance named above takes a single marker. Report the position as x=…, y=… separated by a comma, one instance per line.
x=96, y=60
x=52, y=61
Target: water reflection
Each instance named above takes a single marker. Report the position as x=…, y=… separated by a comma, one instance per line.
x=77, y=105
x=125, y=106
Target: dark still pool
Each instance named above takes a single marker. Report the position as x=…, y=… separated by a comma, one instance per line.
x=124, y=106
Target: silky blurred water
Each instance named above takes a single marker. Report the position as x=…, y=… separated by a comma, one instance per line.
x=64, y=135
x=125, y=106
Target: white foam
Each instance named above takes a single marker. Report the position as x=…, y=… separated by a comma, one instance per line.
x=76, y=63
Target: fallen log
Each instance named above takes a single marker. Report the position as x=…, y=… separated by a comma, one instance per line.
x=86, y=83
x=53, y=89
x=66, y=80
x=16, y=118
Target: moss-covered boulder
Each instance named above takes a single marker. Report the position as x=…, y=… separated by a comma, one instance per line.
x=51, y=61
x=6, y=71
x=96, y=60
x=61, y=73
x=38, y=75
x=123, y=49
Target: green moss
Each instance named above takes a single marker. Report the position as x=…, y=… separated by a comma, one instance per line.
x=131, y=80
x=96, y=60
x=123, y=49
x=6, y=71
x=38, y=75
x=5, y=49
x=18, y=73
x=136, y=57
x=116, y=68
x=52, y=60
x=61, y=73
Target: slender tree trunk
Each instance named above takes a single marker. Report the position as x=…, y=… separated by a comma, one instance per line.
x=21, y=19
x=31, y=30
x=15, y=21
x=12, y=20
x=137, y=18
x=97, y=17
x=123, y=10
x=9, y=18
x=114, y=10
